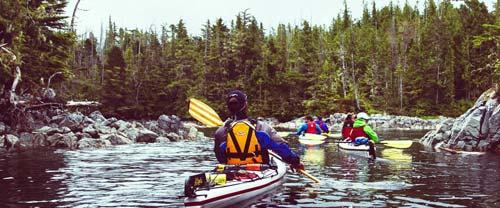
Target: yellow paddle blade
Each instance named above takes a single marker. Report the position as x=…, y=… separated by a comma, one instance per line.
x=396, y=154
x=204, y=113
x=314, y=136
x=401, y=144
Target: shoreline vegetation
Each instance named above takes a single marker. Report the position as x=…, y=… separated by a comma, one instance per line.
x=398, y=59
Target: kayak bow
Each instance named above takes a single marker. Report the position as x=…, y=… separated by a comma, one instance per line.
x=231, y=192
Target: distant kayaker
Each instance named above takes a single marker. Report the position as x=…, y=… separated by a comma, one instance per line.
x=309, y=127
x=363, y=133
x=321, y=124
x=347, y=127
x=246, y=141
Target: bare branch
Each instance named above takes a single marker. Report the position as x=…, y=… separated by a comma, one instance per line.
x=73, y=16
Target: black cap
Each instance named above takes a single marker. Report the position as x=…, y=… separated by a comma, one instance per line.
x=239, y=95
x=236, y=101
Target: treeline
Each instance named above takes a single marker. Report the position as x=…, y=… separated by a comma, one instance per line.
x=396, y=59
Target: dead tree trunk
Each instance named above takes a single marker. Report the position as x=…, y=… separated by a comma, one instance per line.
x=73, y=17
x=10, y=93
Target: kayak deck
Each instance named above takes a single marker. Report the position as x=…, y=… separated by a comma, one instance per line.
x=353, y=147
x=312, y=139
x=239, y=190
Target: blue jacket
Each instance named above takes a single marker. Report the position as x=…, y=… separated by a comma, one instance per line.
x=303, y=128
x=323, y=126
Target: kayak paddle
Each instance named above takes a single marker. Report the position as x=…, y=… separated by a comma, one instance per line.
x=207, y=116
x=400, y=144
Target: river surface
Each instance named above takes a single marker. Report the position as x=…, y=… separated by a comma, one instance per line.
x=152, y=175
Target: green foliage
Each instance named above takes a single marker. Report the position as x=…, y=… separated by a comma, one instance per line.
x=33, y=31
x=395, y=60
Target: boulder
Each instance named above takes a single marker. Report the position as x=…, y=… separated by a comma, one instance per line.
x=478, y=129
x=146, y=136
x=97, y=116
x=91, y=143
x=11, y=142
x=116, y=139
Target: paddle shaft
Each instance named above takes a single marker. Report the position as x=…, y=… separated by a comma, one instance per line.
x=303, y=172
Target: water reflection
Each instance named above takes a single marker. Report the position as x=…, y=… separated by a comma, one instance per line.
x=312, y=154
x=26, y=178
x=152, y=175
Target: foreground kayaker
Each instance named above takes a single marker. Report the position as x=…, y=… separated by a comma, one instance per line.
x=246, y=141
x=363, y=133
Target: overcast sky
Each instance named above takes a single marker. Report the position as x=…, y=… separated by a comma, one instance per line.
x=145, y=14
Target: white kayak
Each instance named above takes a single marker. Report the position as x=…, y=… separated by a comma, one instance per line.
x=209, y=191
x=361, y=150
x=312, y=139
x=353, y=147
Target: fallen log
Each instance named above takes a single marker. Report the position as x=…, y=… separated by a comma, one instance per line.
x=461, y=151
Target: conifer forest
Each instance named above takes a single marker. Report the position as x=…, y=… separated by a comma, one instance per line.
x=398, y=59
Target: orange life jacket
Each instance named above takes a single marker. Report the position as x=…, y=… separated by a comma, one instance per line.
x=242, y=146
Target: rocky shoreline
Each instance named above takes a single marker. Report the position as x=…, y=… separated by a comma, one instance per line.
x=63, y=129
x=73, y=130
x=377, y=121
x=476, y=130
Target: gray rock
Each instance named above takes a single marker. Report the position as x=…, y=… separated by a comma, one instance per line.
x=117, y=139
x=475, y=130
x=90, y=143
x=121, y=125
x=173, y=137
x=74, y=121
x=193, y=133
x=3, y=128
x=97, y=116
x=11, y=142
x=90, y=130
x=132, y=133
x=147, y=136
x=109, y=121
x=162, y=140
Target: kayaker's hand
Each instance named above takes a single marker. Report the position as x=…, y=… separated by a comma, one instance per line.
x=297, y=166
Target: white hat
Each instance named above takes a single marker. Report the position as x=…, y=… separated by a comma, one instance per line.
x=363, y=115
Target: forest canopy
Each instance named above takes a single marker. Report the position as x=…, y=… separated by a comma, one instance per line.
x=396, y=60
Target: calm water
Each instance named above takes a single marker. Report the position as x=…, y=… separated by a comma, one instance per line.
x=153, y=175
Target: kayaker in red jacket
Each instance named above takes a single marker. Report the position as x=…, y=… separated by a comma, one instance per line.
x=347, y=127
x=309, y=127
x=231, y=139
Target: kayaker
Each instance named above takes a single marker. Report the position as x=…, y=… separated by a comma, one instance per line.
x=347, y=127
x=322, y=125
x=363, y=133
x=246, y=141
x=309, y=127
